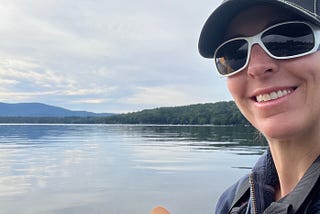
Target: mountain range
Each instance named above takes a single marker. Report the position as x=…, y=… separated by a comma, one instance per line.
x=43, y=110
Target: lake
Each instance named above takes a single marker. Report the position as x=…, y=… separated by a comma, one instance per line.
x=119, y=169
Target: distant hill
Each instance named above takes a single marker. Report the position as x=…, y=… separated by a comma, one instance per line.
x=42, y=110
x=220, y=113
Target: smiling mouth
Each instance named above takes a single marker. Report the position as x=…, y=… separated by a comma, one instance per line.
x=273, y=95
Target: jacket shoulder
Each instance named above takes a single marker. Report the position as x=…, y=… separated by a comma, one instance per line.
x=232, y=195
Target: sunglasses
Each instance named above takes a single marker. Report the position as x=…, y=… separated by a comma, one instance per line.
x=284, y=40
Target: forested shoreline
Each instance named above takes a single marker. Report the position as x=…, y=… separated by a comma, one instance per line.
x=220, y=113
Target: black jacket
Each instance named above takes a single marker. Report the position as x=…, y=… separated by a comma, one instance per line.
x=254, y=193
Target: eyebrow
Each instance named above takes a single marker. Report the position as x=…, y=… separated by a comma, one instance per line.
x=269, y=24
x=279, y=20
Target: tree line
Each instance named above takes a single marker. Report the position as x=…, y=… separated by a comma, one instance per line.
x=220, y=113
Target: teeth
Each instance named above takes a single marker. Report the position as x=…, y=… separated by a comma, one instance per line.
x=273, y=95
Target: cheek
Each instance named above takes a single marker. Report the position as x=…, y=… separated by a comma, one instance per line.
x=236, y=87
x=306, y=67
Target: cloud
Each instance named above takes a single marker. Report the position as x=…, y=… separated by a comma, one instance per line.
x=24, y=70
x=90, y=101
x=101, y=56
x=161, y=96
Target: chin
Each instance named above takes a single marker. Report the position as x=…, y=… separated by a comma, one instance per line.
x=281, y=131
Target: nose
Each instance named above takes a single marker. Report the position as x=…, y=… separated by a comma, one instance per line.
x=260, y=63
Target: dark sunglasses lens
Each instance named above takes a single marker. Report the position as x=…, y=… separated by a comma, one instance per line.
x=232, y=56
x=289, y=39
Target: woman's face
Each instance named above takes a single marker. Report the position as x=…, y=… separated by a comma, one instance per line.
x=296, y=114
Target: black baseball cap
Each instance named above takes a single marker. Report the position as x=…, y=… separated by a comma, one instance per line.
x=214, y=28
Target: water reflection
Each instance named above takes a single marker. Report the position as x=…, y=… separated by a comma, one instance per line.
x=96, y=168
x=241, y=139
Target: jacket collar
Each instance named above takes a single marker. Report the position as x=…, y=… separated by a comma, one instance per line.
x=265, y=178
x=295, y=199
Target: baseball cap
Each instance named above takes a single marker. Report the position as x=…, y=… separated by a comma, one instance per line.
x=213, y=31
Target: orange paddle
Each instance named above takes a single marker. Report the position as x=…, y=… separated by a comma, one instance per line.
x=159, y=210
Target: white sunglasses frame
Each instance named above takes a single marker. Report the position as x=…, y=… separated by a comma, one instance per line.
x=256, y=39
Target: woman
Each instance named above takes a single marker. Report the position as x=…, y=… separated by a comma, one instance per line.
x=268, y=52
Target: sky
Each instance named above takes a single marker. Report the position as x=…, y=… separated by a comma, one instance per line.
x=106, y=56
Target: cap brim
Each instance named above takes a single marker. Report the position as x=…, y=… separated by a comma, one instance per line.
x=214, y=29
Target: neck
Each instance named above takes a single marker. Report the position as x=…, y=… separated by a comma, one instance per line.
x=292, y=158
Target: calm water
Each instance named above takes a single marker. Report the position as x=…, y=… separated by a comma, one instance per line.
x=119, y=169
